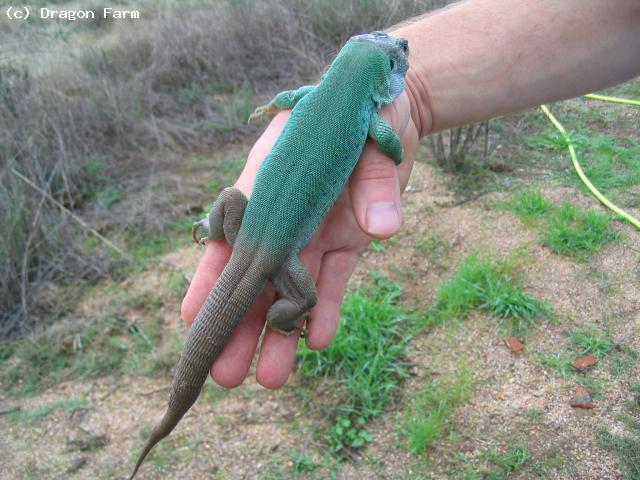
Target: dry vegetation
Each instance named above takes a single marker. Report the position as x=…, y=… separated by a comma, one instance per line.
x=92, y=102
x=134, y=130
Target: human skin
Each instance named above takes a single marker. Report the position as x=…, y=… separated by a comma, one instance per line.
x=470, y=62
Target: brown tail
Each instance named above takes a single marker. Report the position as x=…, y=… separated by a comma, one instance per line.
x=235, y=291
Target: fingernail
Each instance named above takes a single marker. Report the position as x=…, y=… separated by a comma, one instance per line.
x=382, y=218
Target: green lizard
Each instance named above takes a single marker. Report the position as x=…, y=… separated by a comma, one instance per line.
x=296, y=185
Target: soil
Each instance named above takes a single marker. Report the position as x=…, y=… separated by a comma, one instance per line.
x=250, y=432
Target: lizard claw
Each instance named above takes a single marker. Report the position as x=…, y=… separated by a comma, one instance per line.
x=194, y=232
x=260, y=111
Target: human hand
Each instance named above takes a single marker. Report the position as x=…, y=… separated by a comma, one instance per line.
x=368, y=207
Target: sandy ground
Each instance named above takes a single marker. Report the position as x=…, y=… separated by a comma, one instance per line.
x=250, y=432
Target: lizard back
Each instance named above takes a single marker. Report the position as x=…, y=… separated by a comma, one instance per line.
x=315, y=154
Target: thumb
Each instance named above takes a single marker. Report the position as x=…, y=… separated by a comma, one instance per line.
x=375, y=186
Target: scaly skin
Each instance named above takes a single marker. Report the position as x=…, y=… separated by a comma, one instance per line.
x=295, y=186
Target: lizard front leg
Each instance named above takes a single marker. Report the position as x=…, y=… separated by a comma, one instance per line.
x=282, y=101
x=298, y=291
x=224, y=219
x=387, y=139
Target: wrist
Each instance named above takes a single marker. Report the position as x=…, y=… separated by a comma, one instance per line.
x=418, y=93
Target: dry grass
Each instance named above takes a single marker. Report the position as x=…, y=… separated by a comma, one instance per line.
x=181, y=82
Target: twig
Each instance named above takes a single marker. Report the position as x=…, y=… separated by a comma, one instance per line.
x=197, y=442
x=81, y=222
x=155, y=390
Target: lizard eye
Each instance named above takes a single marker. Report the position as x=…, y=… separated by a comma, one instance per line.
x=391, y=63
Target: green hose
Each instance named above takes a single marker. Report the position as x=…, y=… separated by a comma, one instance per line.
x=574, y=157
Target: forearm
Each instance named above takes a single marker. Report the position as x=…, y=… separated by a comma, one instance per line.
x=483, y=58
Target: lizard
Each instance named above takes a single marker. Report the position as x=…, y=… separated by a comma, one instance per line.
x=299, y=180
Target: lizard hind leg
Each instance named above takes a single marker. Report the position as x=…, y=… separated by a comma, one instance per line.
x=224, y=219
x=298, y=291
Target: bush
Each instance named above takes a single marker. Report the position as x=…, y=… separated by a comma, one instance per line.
x=68, y=130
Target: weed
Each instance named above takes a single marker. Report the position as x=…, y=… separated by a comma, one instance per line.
x=107, y=345
x=366, y=358
x=591, y=343
x=485, y=285
x=107, y=196
x=67, y=405
x=559, y=363
x=428, y=417
x=505, y=463
x=622, y=359
x=377, y=246
x=566, y=229
x=302, y=463
x=435, y=249
x=348, y=432
x=578, y=233
x=533, y=414
x=626, y=446
x=529, y=205
x=609, y=164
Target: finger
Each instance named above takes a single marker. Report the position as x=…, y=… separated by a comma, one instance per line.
x=411, y=142
x=375, y=185
x=216, y=255
x=232, y=365
x=375, y=194
x=332, y=282
x=278, y=352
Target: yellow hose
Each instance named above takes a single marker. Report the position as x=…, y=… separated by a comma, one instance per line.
x=574, y=157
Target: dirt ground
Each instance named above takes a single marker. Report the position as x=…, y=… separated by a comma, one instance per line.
x=249, y=432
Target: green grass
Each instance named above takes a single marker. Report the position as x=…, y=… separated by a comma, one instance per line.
x=626, y=446
x=622, y=360
x=582, y=343
x=366, y=359
x=565, y=229
x=591, y=342
x=578, y=233
x=428, y=417
x=489, y=286
x=435, y=249
x=504, y=463
x=529, y=204
x=610, y=164
x=559, y=364
x=33, y=416
x=109, y=344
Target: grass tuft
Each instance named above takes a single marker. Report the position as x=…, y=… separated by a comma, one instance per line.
x=486, y=285
x=365, y=358
x=591, y=342
x=577, y=233
x=529, y=205
x=626, y=446
x=427, y=419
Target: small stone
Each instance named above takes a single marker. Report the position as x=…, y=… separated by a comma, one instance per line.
x=582, y=398
x=514, y=344
x=77, y=464
x=585, y=361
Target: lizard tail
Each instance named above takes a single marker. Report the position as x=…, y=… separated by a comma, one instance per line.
x=238, y=286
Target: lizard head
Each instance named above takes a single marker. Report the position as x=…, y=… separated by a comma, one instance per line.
x=394, y=62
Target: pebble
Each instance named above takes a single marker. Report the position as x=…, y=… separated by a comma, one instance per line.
x=582, y=398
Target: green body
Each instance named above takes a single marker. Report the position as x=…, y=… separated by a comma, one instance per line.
x=296, y=185
x=312, y=159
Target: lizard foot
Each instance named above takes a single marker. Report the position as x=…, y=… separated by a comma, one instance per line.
x=204, y=223
x=263, y=110
x=283, y=318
